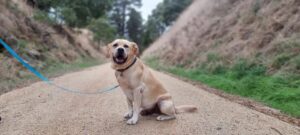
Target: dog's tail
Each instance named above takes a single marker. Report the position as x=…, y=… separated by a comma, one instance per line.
x=185, y=108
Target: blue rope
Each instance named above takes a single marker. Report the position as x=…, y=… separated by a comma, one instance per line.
x=45, y=79
x=81, y=92
x=25, y=64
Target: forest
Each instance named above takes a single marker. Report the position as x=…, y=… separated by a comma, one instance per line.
x=110, y=19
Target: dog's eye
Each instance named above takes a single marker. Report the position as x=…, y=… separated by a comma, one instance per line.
x=115, y=45
x=126, y=46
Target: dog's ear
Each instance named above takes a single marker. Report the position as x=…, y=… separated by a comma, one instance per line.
x=135, y=49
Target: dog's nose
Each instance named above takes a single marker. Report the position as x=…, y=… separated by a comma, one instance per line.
x=120, y=50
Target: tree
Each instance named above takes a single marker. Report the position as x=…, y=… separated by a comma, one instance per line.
x=135, y=26
x=103, y=32
x=172, y=9
x=151, y=31
x=161, y=18
x=119, y=14
x=75, y=13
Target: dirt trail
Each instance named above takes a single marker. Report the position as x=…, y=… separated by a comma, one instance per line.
x=42, y=109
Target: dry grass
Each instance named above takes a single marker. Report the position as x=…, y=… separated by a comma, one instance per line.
x=233, y=30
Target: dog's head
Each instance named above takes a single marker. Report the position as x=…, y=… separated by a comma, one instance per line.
x=121, y=51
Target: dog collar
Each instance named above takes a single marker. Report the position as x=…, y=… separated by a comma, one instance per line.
x=122, y=70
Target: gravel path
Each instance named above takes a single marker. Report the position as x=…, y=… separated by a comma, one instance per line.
x=43, y=109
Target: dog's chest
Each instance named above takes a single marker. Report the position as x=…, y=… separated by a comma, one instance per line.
x=123, y=80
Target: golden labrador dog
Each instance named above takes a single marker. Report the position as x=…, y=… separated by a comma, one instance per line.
x=145, y=94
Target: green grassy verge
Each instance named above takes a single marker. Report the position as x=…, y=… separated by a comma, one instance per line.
x=278, y=91
x=54, y=69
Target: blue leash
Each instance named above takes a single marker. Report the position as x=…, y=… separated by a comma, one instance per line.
x=45, y=79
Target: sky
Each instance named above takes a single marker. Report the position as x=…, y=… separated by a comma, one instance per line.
x=148, y=6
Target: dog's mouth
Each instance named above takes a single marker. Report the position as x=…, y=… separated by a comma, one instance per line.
x=120, y=60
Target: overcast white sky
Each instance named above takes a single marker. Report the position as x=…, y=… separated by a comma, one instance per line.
x=148, y=6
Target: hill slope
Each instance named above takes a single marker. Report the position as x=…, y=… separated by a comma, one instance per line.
x=246, y=48
x=225, y=31
x=40, y=43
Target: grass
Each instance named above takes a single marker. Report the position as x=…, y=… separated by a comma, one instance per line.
x=60, y=68
x=286, y=55
x=53, y=70
x=297, y=62
x=248, y=80
x=280, y=60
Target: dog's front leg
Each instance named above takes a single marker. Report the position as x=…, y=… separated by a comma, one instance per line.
x=128, y=115
x=137, y=101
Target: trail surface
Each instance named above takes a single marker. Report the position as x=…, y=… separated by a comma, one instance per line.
x=42, y=109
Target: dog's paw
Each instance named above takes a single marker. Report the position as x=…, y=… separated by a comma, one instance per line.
x=132, y=121
x=128, y=115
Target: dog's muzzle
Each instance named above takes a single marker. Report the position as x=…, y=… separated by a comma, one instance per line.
x=120, y=56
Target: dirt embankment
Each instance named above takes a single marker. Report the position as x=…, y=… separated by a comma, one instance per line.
x=266, y=32
x=39, y=43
